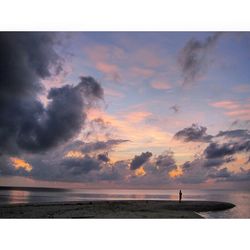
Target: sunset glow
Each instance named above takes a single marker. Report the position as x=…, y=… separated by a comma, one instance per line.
x=20, y=164
x=126, y=109
x=175, y=172
x=74, y=154
x=140, y=171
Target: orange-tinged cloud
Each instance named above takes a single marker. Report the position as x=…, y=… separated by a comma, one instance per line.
x=142, y=136
x=74, y=154
x=239, y=162
x=19, y=163
x=137, y=116
x=161, y=85
x=175, y=173
x=140, y=171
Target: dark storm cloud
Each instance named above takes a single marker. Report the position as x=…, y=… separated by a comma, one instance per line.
x=157, y=170
x=237, y=133
x=205, y=163
x=187, y=165
x=243, y=175
x=77, y=166
x=215, y=150
x=62, y=119
x=101, y=145
x=84, y=169
x=196, y=173
x=90, y=89
x=103, y=157
x=225, y=175
x=193, y=172
x=217, y=162
x=194, y=58
x=201, y=169
x=222, y=173
x=194, y=133
x=26, y=59
x=165, y=161
x=175, y=108
x=139, y=160
x=209, y=163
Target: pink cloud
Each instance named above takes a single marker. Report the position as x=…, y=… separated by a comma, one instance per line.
x=161, y=85
x=234, y=109
x=244, y=114
x=105, y=59
x=109, y=69
x=225, y=104
x=113, y=61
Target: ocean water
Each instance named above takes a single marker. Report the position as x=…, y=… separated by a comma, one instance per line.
x=44, y=195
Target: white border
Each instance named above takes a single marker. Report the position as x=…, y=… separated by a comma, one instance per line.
x=124, y=234
x=129, y=15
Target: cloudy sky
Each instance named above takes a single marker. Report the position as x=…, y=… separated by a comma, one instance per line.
x=103, y=109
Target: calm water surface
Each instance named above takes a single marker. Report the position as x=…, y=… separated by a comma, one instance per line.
x=39, y=195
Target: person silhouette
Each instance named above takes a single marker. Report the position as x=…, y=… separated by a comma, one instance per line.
x=180, y=196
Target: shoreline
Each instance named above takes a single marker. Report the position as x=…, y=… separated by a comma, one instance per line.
x=113, y=209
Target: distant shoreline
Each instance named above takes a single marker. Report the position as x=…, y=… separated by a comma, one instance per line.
x=113, y=209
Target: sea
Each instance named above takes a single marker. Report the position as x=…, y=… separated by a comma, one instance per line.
x=26, y=195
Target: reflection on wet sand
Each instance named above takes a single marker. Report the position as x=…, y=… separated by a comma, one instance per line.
x=17, y=196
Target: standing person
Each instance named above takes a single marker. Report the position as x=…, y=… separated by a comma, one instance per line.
x=180, y=196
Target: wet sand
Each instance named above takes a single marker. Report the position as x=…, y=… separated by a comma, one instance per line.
x=113, y=209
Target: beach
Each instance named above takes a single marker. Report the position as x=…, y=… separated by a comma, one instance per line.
x=113, y=209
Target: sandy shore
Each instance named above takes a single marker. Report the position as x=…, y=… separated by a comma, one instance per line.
x=113, y=209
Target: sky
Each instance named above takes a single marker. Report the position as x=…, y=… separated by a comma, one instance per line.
x=125, y=109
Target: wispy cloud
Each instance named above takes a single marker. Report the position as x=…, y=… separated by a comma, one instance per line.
x=234, y=109
x=225, y=104
x=194, y=58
